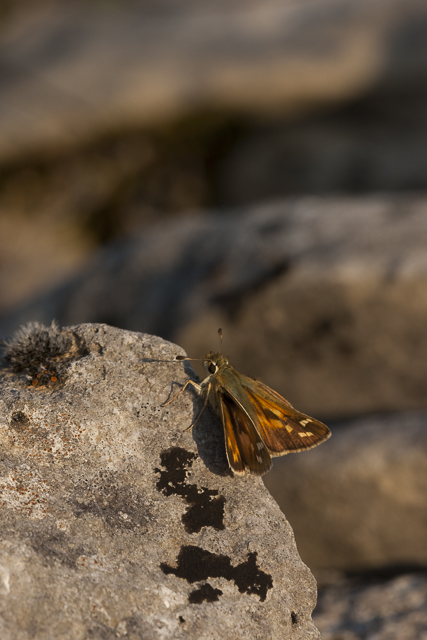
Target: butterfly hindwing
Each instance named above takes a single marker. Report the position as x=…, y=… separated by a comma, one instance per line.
x=245, y=449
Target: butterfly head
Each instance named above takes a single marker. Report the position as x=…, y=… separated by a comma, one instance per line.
x=213, y=362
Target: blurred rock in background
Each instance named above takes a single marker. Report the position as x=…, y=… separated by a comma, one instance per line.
x=325, y=299
x=78, y=69
x=114, y=114
x=373, y=607
x=173, y=167
x=359, y=503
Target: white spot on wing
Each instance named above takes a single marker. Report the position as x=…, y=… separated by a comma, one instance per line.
x=289, y=428
x=306, y=421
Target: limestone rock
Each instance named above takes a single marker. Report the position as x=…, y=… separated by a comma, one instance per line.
x=384, y=609
x=114, y=523
x=74, y=70
x=324, y=299
x=359, y=502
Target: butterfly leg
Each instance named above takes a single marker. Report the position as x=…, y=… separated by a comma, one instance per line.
x=203, y=408
x=197, y=386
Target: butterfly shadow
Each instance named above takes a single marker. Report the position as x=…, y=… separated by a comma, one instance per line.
x=208, y=435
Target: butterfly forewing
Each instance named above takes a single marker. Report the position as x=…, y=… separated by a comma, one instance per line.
x=282, y=428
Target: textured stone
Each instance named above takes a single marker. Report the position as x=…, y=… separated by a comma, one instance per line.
x=115, y=523
x=393, y=609
x=74, y=70
x=359, y=503
x=325, y=299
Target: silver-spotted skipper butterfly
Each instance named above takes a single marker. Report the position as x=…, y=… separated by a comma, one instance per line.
x=258, y=423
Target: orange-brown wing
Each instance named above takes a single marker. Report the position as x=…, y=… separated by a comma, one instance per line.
x=282, y=428
x=245, y=449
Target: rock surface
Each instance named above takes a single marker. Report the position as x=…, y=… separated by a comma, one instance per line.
x=360, y=502
x=324, y=299
x=116, y=524
x=74, y=70
x=394, y=609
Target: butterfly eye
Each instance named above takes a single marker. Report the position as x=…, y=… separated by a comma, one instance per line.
x=212, y=368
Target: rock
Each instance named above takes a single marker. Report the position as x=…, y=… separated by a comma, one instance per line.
x=115, y=523
x=324, y=299
x=115, y=114
x=74, y=70
x=358, y=503
x=392, y=609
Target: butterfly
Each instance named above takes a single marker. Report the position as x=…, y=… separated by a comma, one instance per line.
x=259, y=424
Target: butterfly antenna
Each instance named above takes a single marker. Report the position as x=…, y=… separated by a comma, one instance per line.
x=186, y=358
x=220, y=340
